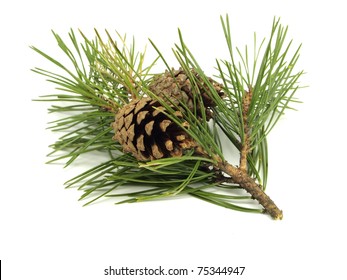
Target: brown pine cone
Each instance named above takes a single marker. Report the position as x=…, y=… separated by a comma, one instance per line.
x=144, y=130
x=178, y=88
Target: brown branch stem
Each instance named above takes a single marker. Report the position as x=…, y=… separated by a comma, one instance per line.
x=241, y=177
x=245, y=148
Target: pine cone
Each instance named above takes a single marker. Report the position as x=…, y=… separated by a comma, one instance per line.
x=144, y=130
x=177, y=88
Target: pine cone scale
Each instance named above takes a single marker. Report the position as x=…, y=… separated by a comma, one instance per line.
x=169, y=145
x=140, y=105
x=129, y=109
x=164, y=125
x=149, y=128
x=120, y=123
x=156, y=152
x=140, y=143
x=129, y=147
x=128, y=121
x=131, y=132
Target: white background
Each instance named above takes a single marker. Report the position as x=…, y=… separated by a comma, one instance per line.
x=45, y=233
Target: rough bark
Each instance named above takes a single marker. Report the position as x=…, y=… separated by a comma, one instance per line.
x=241, y=177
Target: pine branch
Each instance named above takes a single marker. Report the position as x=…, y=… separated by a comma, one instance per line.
x=107, y=91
